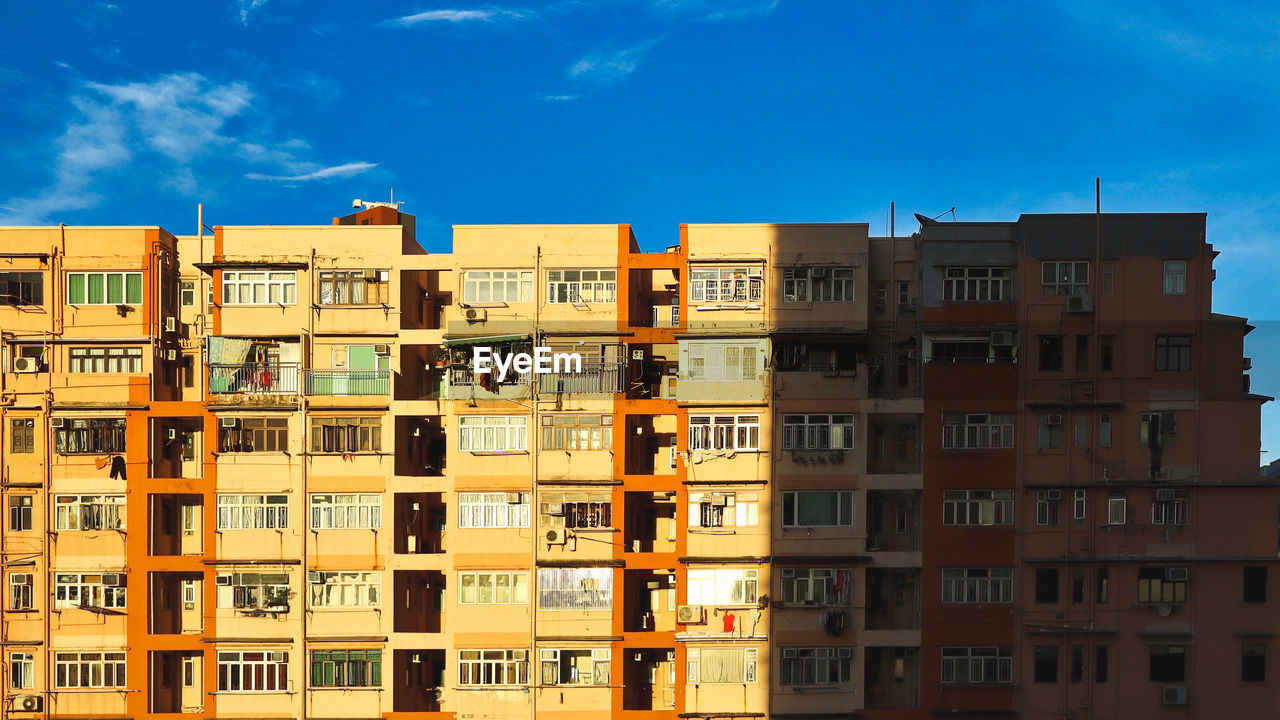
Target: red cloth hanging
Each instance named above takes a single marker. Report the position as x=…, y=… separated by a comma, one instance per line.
x=728, y=622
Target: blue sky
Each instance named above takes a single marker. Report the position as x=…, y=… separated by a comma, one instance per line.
x=653, y=112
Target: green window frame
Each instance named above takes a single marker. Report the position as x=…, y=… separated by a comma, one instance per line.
x=346, y=668
x=104, y=288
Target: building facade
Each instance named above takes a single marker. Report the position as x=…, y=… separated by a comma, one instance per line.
x=988, y=470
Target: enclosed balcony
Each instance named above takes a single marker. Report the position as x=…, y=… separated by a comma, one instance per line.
x=346, y=382
x=247, y=366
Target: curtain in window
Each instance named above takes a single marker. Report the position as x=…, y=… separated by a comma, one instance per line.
x=721, y=665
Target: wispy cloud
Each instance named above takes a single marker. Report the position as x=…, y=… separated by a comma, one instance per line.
x=609, y=66
x=717, y=9
x=336, y=171
x=557, y=98
x=176, y=127
x=457, y=16
x=245, y=8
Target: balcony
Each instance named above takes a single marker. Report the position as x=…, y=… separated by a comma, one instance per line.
x=595, y=377
x=346, y=382
x=253, y=378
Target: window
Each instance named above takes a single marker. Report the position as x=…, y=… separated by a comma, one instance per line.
x=1106, y=352
x=576, y=511
x=20, y=591
x=1117, y=508
x=497, y=286
x=493, y=433
x=253, y=512
x=1050, y=432
x=817, y=432
x=1046, y=664
x=817, y=508
x=112, y=288
x=1082, y=353
x=347, y=511
x=1104, y=429
x=21, y=288
x=1253, y=663
x=22, y=671
x=977, y=585
x=346, y=668
x=977, y=507
x=727, y=284
x=721, y=665
x=724, y=432
x=960, y=350
x=1169, y=507
x=977, y=284
x=577, y=432
x=493, y=667
x=1166, y=428
x=882, y=298
x=1103, y=583
x=237, y=435
x=22, y=435
x=1100, y=664
x=1108, y=277
x=976, y=431
x=1048, y=503
x=79, y=436
x=722, y=586
x=1059, y=277
x=724, y=362
x=580, y=589
x=75, y=590
x=253, y=671
x=723, y=509
x=1255, y=584
x=575, y=667
x=74, y=670
x=346, y=434
x=816, y=666
x=1077, y=585
x=355, y=287
x=89, y=512
x=1082, y=430
x=1173, y=352
x=1047, y=585
x=1168, y=663
x=1051, y=353
x=817, y=284
x=493, y=510
x=342, y=588
x=188, y=294
x=493, y=588
x=582, y=286
x=1175, y=277
x=105, y=360
x=1162, y=585
x=977, y=665
x=20, y=513
x=259, y=288
x=1079, y=506
x=253, y=591
x=811, y=585
x=905, y=303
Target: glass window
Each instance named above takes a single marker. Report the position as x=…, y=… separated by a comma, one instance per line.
x=112, y=288
x=497, y=286
x=1175, y=277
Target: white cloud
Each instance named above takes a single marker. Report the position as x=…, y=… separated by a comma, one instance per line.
x=611, y=66
x=456, y=16
x=557, y=98
x=717, y=9
x=335, y=171
x=245, y=8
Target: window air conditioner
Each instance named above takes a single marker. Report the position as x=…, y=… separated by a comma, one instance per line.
x=227, y=422
x=315, y=577
x=690, y=615
x=1174, y=695
x=1080, y=304
x=1178, y=574
x=817, y=273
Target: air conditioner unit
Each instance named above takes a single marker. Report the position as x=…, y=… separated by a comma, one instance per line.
x=1053, y=420
x=788, y=652
x=28, y=703
x=112, y=579
x=57, y=422
x=555, y=508
x=228, y=422
x=637, y=354
x=369, y=274
x=1053, y=494
x=222, y=580
x=1174, y=695
x=1080, y=304
x=557, y=536
x=26, y=365
x=315, y=577
x=277, y=657
x=381, y=349
x=474, y=315
x=1164, y=494
x=1178, y=574
x=1002, y=338
x=691, y=615
x=20, y=579
x=171, y=324
x=818, y=273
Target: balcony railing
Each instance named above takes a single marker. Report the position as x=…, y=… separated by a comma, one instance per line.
x=347, y=382
x=253, y=379
x=596, y=377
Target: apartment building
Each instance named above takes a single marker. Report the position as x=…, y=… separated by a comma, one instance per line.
x=255, y=474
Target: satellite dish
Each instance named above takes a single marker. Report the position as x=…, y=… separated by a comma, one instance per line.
x=924, y=220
